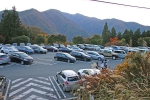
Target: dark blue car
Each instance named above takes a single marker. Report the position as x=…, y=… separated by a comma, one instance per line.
x=26, y=49
x=65, y=49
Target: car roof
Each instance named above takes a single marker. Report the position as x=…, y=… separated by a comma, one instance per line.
x=69, y=73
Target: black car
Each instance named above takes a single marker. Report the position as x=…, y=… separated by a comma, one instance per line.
x=21, y=57
x=51, y=48
x=65, y=49
x=64, y=57
x=3, y=84
x=81, y=56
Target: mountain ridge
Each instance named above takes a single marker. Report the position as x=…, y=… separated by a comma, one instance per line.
x=56, y=22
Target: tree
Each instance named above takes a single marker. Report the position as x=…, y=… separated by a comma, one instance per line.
x=20, y=39
x=61, y=38
x=52, y=39
x=2, y=39
x=10, y=25
x=96, y=39
x=113, y=33
x=105, y=34
x=127, y=35
x=40, y=39
x=136, y=36
x=119, y=35
x=78, y=40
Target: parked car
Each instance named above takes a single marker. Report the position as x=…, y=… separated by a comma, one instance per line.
x=121, y=53
x=15, y=44
x=68, y=46
x=65, y=49
x=95, y=55
x=61, y=45
x=26, y=49
x=3, y=84
x=8, y=49
x=81, y=46
x=51, y=48
x=21, y=57
x=38, y=49
x=68, y=79
x=4, y=58
x=85, y=72
x=80, y=56
x=60, y=56
x=56, y=45
x=77, y=49
x=108, y=53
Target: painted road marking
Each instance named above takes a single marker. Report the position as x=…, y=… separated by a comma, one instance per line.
x=55, y=88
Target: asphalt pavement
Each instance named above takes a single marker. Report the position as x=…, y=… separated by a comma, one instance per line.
x=37, y=81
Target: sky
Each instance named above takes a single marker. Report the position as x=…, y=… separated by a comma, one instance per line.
x=88, y=8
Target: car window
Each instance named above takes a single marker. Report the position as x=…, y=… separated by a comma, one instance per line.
x=74, y=78
x=62, y=74
x=63, y=55
x=79, y=54
x=86, y=72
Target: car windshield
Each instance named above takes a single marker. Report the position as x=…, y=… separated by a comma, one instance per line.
x=27, y=47
x=68, y=55
x=74, y=78
x=83, y=53
x=23, y=55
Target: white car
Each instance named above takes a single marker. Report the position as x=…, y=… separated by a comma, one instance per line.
x=8, y=49
x=83, y=72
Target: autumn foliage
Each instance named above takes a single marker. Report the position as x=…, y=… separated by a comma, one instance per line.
x=129, y=81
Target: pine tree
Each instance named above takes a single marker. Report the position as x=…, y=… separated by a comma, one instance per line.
x=136, y=36
x=105, y=34
x=113, y=33
x=119, y=35
x=10, y=25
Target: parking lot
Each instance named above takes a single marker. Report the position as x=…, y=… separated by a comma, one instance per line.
x=37, y=81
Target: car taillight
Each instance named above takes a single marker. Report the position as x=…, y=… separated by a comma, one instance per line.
x=66, y=83
x=1, y=59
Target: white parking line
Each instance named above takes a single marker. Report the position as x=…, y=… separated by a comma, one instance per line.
x=5, y=97
x=54, y=88
x=59, y=87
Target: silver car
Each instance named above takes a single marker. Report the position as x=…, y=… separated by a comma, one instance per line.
x=68, y=79
x=4, y=58
x=95, y=55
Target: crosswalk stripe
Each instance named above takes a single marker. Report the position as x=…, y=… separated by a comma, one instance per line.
x=14, y=86
x=16, y=80
x=33, y=90
x=28, y=85
x=35, y=97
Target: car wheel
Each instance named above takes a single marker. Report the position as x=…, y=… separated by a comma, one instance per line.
x=56, y=59
x=2, y=51
x=99, y=59
x=22, y=62
x=113, y=57
x=64, y=88
x=41, y=52
x=68, y=61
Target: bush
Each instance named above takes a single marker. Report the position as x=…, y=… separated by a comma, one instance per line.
x=129, y=81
